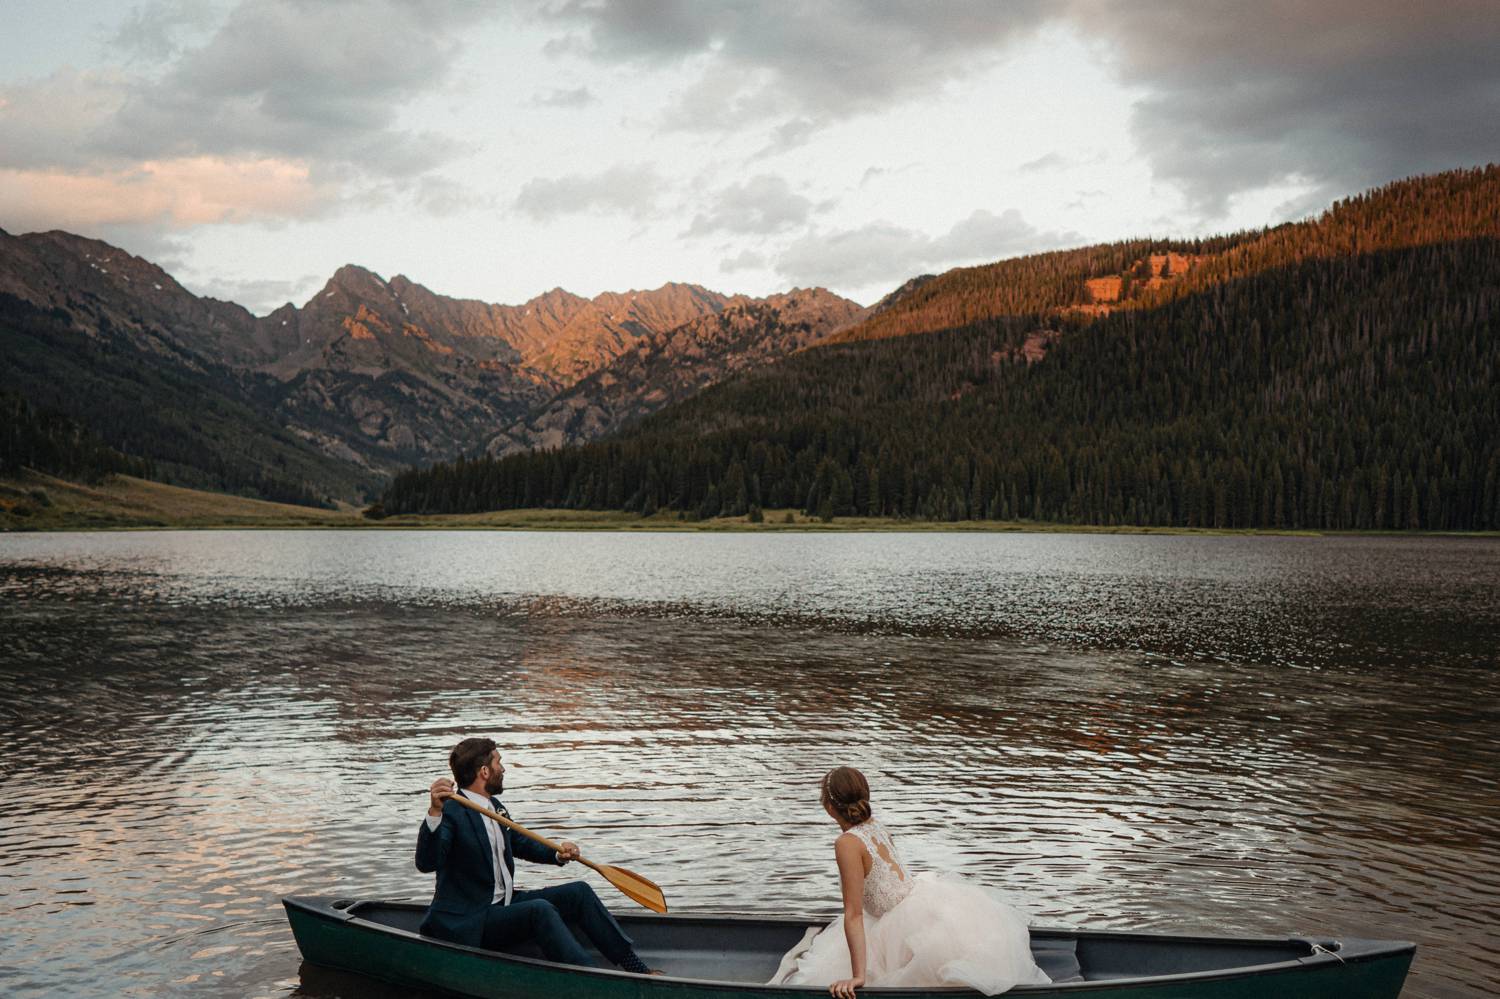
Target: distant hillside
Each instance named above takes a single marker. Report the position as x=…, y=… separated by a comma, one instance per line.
x=1097, y=280
x=1336, y=374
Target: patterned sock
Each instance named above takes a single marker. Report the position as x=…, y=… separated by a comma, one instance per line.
x=632, y=962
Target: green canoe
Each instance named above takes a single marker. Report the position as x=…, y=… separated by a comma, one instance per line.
x=729, y=956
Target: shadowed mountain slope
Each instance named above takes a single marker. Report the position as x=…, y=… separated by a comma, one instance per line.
x=191, y=421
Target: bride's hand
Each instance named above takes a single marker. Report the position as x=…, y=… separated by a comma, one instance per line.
x=845, y=989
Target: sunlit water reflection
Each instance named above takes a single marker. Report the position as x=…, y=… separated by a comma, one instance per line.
x=1262, y=735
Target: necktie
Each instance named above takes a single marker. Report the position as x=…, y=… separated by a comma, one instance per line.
x=501, y=871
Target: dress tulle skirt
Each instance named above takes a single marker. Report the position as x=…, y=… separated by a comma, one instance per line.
x=946, y=932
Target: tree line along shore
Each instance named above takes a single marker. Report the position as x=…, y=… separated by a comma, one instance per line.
x=33, y=502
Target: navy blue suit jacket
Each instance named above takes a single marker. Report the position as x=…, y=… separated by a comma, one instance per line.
x=459, y=851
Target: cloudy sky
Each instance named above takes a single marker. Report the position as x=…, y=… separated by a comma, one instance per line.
x=495, y=151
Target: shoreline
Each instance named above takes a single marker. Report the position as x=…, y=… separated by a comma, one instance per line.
x=37, y=503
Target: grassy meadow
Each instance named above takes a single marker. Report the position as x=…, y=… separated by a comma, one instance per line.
x=37, y=502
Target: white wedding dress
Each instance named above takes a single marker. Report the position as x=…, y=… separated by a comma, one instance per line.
x=920, y=931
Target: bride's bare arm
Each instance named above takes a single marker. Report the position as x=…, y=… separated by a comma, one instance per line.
x=850, y=854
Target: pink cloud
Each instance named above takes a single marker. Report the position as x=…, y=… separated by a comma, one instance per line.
x=177, y=193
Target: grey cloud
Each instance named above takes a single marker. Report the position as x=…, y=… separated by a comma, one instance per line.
x=1337, y=94
x=1051, y=161
x=1085, y=198
x=789, y=135
x=1341, y=94
x=152, y=31
x=48, y=122
x=632, y=190
x=444, y=197
x=1303, y=206
x=882, y=253
x=984, y=235
x=1057, y=161
x=725, y=101
x=270, y=82
x=803, y=63
x=853, y=258
x=282, y=79
x=878, y=172
x=760, y=206
x=259, y=296
x=745, y=260
x=578, y=97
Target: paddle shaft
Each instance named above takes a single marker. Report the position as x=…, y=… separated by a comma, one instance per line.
x=642, y=891
x=516, y=827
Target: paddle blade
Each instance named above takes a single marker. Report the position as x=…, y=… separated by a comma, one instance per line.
x=642, y=891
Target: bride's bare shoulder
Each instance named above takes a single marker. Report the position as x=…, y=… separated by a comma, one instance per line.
x=848, y=843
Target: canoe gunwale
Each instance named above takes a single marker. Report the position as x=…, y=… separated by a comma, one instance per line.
x=332, y=909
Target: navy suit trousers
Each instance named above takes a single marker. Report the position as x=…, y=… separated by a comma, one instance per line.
x=543, y=915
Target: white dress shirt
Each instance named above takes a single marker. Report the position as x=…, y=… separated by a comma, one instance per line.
x=503, y=887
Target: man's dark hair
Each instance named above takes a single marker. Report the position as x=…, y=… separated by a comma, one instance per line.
x=467, y=757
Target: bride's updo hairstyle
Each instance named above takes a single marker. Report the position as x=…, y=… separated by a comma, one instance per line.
x=846, y=791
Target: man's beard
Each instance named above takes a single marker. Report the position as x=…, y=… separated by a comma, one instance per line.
x=495, y=785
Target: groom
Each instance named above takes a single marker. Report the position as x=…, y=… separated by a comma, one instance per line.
x=476, y=902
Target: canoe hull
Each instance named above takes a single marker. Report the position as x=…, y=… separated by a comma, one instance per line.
x=335, y=939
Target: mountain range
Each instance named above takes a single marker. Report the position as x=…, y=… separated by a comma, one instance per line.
x=1336, y=373
x=326, y=401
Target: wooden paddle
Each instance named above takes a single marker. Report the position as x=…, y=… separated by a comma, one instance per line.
x=642, y=891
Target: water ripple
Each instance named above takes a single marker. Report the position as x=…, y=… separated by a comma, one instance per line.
x=1241, y=735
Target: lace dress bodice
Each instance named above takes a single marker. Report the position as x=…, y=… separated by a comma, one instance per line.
x=888, y=883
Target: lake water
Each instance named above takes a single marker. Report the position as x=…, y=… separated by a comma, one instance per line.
x=1219, y=734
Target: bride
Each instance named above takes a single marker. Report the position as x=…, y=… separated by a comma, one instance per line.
x=904, y=930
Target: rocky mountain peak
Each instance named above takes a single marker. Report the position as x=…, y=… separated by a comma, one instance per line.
x=664, y=366
x=107, y=291
x=403, y=285
x=355, y=281
x=119, y=266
